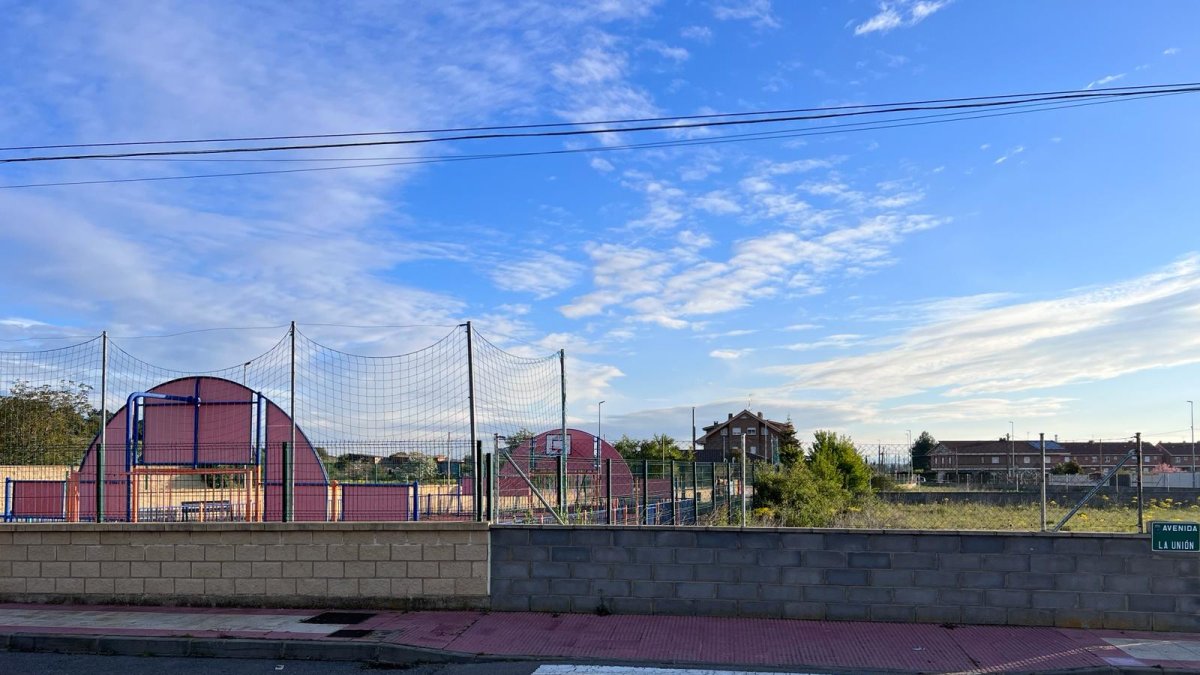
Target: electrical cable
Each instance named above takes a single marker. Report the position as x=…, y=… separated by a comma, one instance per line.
x=591, y=132
x=820, y=131
x=552, y=125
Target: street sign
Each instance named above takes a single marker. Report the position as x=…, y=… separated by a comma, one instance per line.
x=1177, y=537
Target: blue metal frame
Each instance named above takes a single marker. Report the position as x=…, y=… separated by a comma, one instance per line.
x=10, y=501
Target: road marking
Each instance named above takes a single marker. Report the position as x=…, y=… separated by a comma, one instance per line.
x=567, y=669
x=1158, y=650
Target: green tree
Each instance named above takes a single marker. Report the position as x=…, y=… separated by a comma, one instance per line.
x=1069, y=468
x=521, y=436
x=790, y=449
x=831, y=479
x=408, y=466
x=920, y=451
x=46, y=424
x=834, y=457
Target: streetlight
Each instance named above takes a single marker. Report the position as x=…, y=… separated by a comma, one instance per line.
x=598, y=409
x=1192, y=424
x=1012, y=449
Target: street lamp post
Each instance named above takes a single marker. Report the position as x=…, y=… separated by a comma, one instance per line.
x=1192, y=425
x=599, y=407
x=1012, y=450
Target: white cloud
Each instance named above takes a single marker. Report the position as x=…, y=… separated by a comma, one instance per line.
x=601, y=164
x=1107, y=79
x=697, y=33
x=897, y=13
x=717, y=202
x=1083, y=336
x=542, y=274
x=728, y=354
x=1171, y=51
x=675, y=54
x=757, y=12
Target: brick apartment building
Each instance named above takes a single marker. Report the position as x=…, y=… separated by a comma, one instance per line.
x=985, y=461
x=723, y=440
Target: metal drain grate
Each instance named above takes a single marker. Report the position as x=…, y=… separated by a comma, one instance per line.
x=345, y=618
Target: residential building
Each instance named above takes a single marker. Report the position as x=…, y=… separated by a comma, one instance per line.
x=723, y=440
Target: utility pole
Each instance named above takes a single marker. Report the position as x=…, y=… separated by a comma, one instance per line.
x=694, y=434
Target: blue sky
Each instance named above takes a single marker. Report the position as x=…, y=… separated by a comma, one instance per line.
x=1041, y=268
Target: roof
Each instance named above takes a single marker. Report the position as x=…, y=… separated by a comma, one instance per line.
x=777, y=427
x=996, y=447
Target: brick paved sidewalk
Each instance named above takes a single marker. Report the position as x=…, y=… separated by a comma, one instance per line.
x=766, y=643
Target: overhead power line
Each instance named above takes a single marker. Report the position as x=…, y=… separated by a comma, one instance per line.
x=923, y=120
x=555, y=125
x=973, y=104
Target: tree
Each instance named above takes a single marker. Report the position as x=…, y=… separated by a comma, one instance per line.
x=790, y=449
x=655, y=448
x=518, y=438
x=920, y=451
x=1069, y=468
x=832, y=478
x=833, y=457
x=46, y=424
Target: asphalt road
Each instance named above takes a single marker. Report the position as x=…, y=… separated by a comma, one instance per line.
x=73, y=664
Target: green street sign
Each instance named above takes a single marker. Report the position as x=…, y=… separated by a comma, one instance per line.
x=1174, y=537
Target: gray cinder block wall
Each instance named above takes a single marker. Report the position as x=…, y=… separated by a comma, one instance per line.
x=395, y=565
x=1029, y=579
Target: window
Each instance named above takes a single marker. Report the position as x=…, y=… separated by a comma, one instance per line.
x=724, y=431
x=737, y=431
x=752, y=449
x=1025, y=460
x=995, y=460
x=751, y=431
x=1148, y=460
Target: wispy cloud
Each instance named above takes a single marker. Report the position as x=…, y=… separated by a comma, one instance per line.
x=758, y=12
x=1171, y=51
x=543, y=274
x=1107, y=79
x=728, y=354
x=697, y=33
x=1146, y=323
x=899, y=13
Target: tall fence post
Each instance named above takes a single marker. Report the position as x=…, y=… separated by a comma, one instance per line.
x=608, y=509
x=560, y=482
x=728, y=491
x=103, y=426
x=743, y=486
x=476, y=444
x=712, y=467
x=674, y=504
x=566, y=447
x=288, y=477
x=1140, y=468
x=646, y=492
x=477, y=479
x=695, y=495
x=1042, y=443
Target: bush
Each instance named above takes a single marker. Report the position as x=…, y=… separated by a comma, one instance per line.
x=832, y=478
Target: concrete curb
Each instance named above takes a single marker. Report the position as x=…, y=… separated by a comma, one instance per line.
x=304, y=650
x=390, y=654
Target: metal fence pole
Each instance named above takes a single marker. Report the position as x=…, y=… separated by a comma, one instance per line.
x=674, y=509
x=1042, y=443
x=743, y=486
x=289, y=477
x=712, y=466
x=695, y=495
x=728, y=491
x=103, y=426
x=608, y=509
x=560, y=480
x=1141, y=506
x=646, y=492
x=477, y=479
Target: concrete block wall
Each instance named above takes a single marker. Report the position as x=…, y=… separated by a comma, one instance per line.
x=1033, y=579
x=394, y=565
